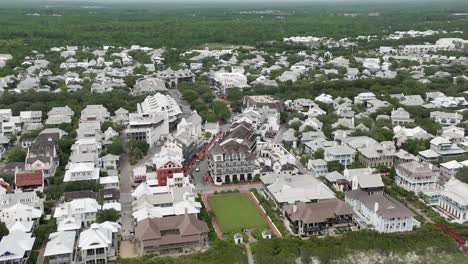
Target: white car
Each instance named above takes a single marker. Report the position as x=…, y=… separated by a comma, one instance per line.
x=197, y=169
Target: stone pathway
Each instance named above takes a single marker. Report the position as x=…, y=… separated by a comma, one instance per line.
x=248, y=251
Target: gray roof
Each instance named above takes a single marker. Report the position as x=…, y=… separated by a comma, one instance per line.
x=318, y=212
x=340, y=150
x=387, y=206
x=334, y=176
x=414, y=169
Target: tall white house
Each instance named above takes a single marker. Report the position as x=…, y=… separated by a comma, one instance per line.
x=161, y=103
x=343, y=154
x=416, y=177
x=453, y=200
x=380, y=212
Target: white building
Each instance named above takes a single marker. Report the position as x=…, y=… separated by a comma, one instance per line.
x=20, y=213
x=109, y=162
x=401, y=117
x=447, y=119
x=109, y=182
x=448, y=102
x=288, y=189
x=364, y=179
x=364, y=97
x=380, y=212
x=95, y=113
x=453, y=200
x=59, y=115
x=223, y=81
x=83, y=210
x=444, y=147
x=344, y=154
x=416, y=177
x=61, y=247
x=16, y=248
x=318, y=167
x=81, y=172
x=449, y=169
x=161, y=103
x=31, y=119
x=149, y=127
x=99, y=243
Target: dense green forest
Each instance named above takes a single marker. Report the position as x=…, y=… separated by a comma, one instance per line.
x=190, y=25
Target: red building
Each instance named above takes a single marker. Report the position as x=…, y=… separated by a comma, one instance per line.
x=166, y=170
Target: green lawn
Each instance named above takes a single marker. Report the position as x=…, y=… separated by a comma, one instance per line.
x=236, y=211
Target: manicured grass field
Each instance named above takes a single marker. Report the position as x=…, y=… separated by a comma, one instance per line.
x=236, y=211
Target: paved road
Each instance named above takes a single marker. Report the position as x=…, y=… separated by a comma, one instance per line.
x=279, y=136
x=126, y=197
x=126, y=181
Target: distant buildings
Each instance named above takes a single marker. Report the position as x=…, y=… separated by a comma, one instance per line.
x=447, y=119
x=223, y=81
x=95, y=113
x=401, y=117
x=172, y=78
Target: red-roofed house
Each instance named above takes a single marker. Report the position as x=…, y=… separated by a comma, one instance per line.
x=29, y=181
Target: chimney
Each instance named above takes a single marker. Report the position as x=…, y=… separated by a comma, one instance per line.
x=355, y=183
x=69, y=211
x=376, y=207
x=294, y=207
x=185, y=211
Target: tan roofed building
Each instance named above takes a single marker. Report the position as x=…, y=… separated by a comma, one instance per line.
x=180, y=234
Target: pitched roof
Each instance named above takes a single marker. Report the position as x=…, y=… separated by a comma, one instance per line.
x=98, y=235
x=31, y=178
x=318, y=212
x=60, y=243
x=387, y=206
x=187, y=225
x=14, y=245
